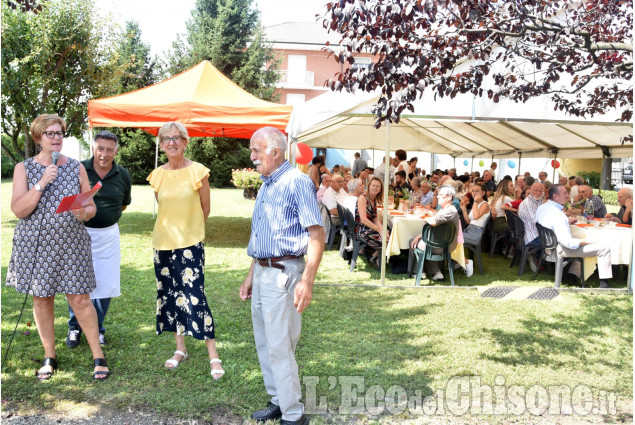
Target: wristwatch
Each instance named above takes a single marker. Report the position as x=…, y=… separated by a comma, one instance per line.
x=38, y=187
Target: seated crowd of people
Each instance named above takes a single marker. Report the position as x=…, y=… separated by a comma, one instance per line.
x=469, y=201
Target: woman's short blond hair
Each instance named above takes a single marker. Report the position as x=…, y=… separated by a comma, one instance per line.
x=168, y=126
x=44, y=121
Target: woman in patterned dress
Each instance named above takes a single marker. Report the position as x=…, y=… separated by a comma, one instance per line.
x=368, y=225
x=51, y=252
x=181, y=188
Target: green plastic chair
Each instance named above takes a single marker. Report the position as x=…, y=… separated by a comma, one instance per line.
x=440, y=236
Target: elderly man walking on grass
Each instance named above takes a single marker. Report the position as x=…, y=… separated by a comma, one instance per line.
x=286, y=227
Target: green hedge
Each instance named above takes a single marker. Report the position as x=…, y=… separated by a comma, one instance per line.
x=592, y=178
x=609, y=197
x=221, y=155
x=136, y=153
x=137, y=150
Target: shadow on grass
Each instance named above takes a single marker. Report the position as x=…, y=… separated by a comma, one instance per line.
x=580, y=333
x=371, y=337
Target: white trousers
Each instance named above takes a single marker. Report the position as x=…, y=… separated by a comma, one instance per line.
x=599, y=250
x=277, y=326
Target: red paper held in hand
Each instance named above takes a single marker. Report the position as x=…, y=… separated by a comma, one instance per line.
x=77, y=201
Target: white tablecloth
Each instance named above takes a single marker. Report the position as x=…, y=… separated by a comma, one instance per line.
x=618, y=239
x=407, y=227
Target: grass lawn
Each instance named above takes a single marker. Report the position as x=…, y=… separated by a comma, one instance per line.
x=412, y=338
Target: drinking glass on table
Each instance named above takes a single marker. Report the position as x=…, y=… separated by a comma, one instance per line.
x=588, y=211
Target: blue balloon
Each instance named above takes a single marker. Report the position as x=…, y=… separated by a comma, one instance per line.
x=511, y=163
x=465, y=162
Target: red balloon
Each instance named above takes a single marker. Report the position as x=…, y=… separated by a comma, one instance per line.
x=555, y=163
x=303, y=154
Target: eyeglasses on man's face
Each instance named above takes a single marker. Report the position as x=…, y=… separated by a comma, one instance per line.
x=175, y=139
x=53, y=134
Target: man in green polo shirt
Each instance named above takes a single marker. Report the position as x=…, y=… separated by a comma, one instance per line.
x=111, y=200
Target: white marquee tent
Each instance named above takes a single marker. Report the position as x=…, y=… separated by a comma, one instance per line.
x=462, y=127
x=465, y=126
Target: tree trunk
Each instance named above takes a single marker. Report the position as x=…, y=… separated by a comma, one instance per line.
x=29, y=146
x=14, y=144
x=8, y=153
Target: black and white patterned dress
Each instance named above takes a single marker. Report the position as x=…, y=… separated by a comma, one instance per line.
x=51, y=252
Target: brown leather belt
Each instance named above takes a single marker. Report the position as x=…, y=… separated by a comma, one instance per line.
x=273, y=261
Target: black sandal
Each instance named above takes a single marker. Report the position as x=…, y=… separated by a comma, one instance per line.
x=104, y=373
x=45, y=376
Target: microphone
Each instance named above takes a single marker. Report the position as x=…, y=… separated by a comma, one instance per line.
x=56, y=157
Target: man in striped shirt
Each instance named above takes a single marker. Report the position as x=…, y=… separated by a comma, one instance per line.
x=286, y=226
x=527, y=212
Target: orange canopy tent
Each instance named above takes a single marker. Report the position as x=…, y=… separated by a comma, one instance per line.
x=203, y=99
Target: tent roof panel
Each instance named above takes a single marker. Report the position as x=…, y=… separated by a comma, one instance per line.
x=446, y=126
x=202, y=98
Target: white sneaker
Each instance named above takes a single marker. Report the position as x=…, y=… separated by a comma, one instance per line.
x=423, y=276
x=469, y=268
x=438, y=276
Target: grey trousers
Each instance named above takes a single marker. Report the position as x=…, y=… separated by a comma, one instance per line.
x=277, y=326
x=599, y=250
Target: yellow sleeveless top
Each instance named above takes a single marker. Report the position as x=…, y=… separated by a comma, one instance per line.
x=180, y=222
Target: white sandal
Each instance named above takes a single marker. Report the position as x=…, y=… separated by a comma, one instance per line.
x=216, y=371
x=175, y=362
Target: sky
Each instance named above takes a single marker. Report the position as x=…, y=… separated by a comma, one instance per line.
x=162, y=20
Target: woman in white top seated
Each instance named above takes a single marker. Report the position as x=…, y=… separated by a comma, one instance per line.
x=478, y=215
x=504, y=194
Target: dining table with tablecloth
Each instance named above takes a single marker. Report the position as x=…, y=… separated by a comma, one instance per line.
x=618, y=237
x=405, y=225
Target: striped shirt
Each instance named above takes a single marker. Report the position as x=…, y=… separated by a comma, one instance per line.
x=527, y=212
x=285, y=207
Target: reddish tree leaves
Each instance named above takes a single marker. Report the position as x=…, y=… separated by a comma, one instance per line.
x=565, y=49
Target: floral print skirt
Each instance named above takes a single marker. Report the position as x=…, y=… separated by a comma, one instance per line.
x=181, y=303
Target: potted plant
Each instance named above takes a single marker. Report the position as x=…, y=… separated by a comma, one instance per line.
x=248, y=180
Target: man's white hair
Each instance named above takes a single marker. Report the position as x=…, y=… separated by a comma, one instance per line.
x=353, y=184
x=275, y=139
x=447, y=191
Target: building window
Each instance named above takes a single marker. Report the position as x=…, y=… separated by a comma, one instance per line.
x=361, y=63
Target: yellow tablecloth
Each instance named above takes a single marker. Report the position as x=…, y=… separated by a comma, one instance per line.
x=407, y=227
x=618, y=239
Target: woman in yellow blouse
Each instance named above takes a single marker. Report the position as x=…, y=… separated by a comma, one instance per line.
x=181, y=188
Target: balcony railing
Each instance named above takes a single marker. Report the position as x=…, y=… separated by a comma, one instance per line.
x=296, y=79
